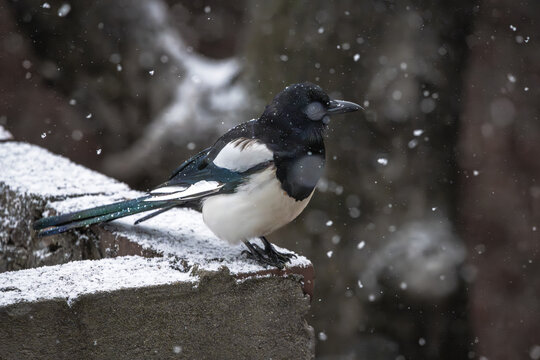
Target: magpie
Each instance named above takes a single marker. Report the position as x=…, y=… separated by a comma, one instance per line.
x=256, y=178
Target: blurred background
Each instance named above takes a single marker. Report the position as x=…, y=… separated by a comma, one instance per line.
x=425, y=230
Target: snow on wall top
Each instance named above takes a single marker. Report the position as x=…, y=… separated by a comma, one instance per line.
x=31, y=169
x=71, y=280
x=179, y=233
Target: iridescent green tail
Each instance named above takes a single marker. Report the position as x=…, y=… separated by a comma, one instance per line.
x=61, y=223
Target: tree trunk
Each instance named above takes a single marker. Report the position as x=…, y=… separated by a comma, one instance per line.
x=500, y=173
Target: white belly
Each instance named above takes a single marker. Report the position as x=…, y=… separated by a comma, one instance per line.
x=257, y=208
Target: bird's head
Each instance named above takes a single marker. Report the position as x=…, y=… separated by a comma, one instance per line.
x=304, y=106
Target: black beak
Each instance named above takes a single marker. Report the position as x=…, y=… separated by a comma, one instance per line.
x=341, y=107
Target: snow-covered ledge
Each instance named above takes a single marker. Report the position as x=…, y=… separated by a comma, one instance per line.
x=162, y=288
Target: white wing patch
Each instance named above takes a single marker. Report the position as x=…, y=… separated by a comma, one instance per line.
x=185, y=193
x=167, y=190
x=243, y=154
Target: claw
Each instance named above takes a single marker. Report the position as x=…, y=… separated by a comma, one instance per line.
x=271, y=251
x=256, y=253
x=269, y=255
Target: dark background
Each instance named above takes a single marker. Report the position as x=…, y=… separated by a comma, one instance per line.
x=425, y=230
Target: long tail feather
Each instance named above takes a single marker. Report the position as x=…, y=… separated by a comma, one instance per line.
x=61, y=223
x=86, y=213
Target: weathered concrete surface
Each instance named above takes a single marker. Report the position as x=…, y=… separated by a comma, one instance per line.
x=194, y=297
x=203, y=315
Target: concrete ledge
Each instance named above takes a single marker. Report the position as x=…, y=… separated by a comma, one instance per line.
x=135, y=307
x=167, y=288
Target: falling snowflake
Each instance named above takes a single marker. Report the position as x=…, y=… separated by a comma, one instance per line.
x=412, y=144
x=64, y=10
x=382, y=161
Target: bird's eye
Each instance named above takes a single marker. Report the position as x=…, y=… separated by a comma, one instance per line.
x=315, y=111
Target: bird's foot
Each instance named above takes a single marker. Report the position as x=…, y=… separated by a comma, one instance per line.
x=271, y=251
x=269, y=255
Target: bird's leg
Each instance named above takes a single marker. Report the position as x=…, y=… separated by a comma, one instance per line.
x=275, y=255
x=257, y=253
x=267, y=256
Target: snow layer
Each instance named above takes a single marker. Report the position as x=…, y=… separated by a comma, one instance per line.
x=70, y=281
x=30, y=169
x=178, y=233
